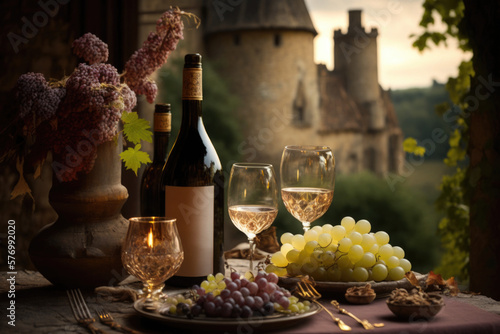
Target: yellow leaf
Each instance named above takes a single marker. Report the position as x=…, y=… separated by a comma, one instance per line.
x=455, y=138
x=419, y=150
x=409, y=144
x=38, y=170
x=22, y=188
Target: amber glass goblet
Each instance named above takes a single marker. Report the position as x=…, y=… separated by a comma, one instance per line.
x=152, y=252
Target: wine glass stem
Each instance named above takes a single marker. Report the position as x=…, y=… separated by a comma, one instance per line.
x=306, y=226
x=252, y=247
x=153, y=291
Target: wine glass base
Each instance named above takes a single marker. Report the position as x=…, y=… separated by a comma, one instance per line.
x=154, y=292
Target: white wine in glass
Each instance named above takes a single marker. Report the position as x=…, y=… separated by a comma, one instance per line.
x=252, y=199
x=307, y=181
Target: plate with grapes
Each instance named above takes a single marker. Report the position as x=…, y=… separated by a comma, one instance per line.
x=257, y=321
x=382, y=289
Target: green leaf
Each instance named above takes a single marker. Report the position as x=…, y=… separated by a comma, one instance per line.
x=135, y=128
x=134, y=157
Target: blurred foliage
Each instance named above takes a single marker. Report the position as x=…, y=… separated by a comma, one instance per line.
x=417, y=117
x=403, y=213
x=410, y=146
x=219, y=109
x=454, y=226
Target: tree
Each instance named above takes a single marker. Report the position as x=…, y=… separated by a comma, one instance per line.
x=470, y=198
x=482, y=25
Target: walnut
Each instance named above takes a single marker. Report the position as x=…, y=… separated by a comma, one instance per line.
x=361, y=290
x=360, y=294
x=414, y=297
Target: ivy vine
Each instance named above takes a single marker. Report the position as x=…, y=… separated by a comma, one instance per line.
x=454, y=226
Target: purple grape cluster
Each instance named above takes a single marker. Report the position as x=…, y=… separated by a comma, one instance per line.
x=241, y=298
x=153, y=54
x=91, y=48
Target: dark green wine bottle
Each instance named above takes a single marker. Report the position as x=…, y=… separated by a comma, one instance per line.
x=151, y=178
x=194, y=186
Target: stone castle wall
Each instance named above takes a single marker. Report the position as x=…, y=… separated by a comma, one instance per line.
x=270, y=72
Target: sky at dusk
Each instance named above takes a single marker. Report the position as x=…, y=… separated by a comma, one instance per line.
x=400, y=65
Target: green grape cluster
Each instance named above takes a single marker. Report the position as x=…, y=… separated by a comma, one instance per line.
x=342, y=253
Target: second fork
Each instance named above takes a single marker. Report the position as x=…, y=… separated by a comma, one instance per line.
x=108, y=320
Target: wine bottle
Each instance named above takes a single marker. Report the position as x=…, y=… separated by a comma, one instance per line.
x=194, y=186
x=150, y=200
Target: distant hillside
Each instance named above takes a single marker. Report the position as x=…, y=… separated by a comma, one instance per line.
x=415, y=108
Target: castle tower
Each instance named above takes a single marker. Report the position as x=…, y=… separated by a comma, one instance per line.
x=265, y=50
x=356, y=60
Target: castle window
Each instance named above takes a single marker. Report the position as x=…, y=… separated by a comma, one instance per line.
x=278, y=40
x=299, y=114
x=236, y=39
x=394, y=149
x=299, y=106
x=370, y=161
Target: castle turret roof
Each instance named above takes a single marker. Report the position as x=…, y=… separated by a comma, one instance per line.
x=259, y=14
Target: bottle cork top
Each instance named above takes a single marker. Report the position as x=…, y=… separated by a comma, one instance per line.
x=192, y=60
x=163, y=107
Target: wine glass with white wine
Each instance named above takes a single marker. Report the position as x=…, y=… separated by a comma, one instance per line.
x=307, y=181
x=252, y=199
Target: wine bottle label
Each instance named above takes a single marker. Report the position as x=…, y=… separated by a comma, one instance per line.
x=192, y=84
x=162, y=122
x=193, y=207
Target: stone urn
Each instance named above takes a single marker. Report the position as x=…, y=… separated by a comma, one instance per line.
x=82, y=248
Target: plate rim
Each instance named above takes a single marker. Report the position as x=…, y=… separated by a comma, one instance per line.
x=224, y=322
x=336, y=287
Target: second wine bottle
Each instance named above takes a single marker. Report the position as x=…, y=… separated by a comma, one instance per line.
x=151, y=179
x=194, y=186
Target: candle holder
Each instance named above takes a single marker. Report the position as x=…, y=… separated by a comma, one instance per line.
x=152, y=252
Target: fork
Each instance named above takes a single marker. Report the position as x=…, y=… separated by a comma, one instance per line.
x=307, y=291
x=81, y=311
x=365, y=323
x=108, y=320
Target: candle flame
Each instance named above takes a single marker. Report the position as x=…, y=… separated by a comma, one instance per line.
x=150, y=238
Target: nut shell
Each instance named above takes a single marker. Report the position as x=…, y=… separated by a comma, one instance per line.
x=415, y=311
x=360, y=294
x=360, y=299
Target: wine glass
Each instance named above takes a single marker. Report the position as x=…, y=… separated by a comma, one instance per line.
x=152, y=252
x=252, y=199
x=307, y=181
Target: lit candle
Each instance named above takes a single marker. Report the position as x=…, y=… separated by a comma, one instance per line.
x=150, y=237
